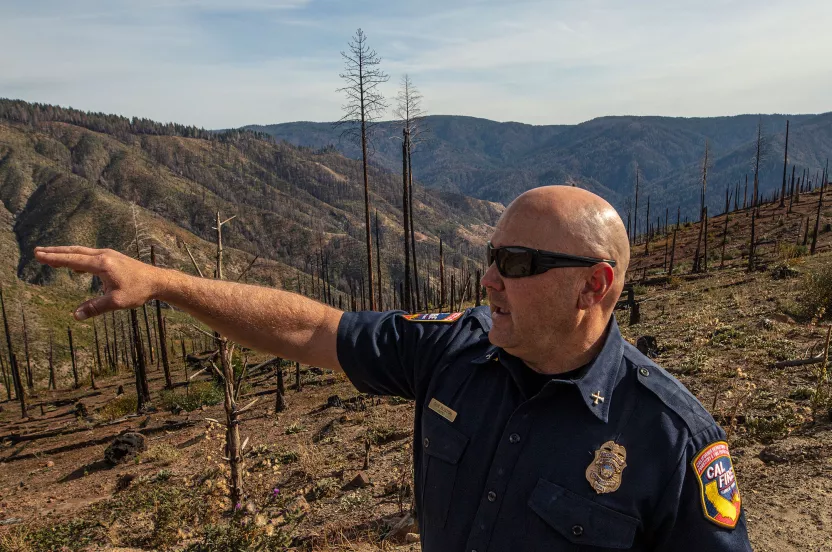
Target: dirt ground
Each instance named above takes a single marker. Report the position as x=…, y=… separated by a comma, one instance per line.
x=719, y=333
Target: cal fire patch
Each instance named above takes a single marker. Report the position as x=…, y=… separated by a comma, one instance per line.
x=718, y=485
x=434, y=317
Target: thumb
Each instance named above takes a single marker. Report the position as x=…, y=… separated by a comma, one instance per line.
x=95, y=307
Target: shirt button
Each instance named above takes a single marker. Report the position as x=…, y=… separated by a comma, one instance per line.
x=577, y=530
x=514, y=438
x=645, y=372
x=492, y=496
x=426, y=442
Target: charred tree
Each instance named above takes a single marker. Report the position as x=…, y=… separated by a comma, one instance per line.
x=30, y=379
x=51, y=358
x=785, y=168
x=365, y=104
x=72, y=357
x=160, y=323
x=406, y=223
x=820, y=206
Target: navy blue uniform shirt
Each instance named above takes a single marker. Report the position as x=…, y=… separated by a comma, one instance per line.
x=497, y=470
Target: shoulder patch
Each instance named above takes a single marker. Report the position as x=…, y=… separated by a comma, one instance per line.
x=446, y=317
x=718, y=488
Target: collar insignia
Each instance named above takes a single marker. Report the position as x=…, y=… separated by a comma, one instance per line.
x=604, y=473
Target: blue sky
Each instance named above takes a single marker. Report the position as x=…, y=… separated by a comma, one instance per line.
x=225, y=63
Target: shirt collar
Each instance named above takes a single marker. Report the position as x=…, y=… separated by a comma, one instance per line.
x=600, y=377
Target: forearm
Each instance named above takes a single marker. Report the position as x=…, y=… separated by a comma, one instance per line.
x=278, y=322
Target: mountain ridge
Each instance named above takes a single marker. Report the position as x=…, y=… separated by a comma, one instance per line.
x=497, y=161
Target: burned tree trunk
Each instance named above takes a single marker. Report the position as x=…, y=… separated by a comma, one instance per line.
x=149, y=335
x=705, y=256
x=785, y=167
x=647, y=222
x=817, y=218
x=724, y=241
x=18, y=383
x=30, y=379
x=378, y=270
x=6, y=383
x=478, y=289
x=142, y=388
x=232, y=427
x=751, y=246
x=297, y=376
x=280, y=391
x=160, y=322
x=97, y=347
x=406, y=223
x=442, y=294
x=51, y=363
x=72, y=357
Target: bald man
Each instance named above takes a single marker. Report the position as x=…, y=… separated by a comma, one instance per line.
x=537, y=427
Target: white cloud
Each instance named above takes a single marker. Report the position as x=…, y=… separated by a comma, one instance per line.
x=220, y=63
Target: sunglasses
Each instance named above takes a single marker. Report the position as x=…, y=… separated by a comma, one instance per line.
x=518, y=262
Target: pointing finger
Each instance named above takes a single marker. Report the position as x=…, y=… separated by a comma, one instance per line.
x=74, y=261
x=76, y=249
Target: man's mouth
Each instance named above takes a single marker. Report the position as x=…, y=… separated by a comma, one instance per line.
x=500, y=311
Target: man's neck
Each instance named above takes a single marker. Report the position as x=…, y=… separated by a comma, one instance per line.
x=574, y=353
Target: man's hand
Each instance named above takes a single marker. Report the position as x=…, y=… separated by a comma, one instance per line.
x=128, y=283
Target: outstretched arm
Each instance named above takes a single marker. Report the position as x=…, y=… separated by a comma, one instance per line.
x=270, y=320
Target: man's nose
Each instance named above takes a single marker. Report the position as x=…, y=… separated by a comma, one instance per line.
x=492, y=279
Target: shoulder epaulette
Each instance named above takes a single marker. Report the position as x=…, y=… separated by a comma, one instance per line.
x=671, y=392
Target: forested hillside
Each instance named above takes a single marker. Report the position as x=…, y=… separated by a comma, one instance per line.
x=497, y=161
x=73, y=177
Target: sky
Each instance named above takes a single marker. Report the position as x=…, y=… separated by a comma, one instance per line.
x=228, y=63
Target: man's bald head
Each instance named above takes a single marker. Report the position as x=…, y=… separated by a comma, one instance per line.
x=569, y=220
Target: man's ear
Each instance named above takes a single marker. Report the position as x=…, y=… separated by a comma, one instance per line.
x=597, y=285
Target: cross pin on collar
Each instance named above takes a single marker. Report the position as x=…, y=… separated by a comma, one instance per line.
x=596, y=398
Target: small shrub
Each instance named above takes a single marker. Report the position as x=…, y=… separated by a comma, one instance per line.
x=815, y=297
x=323, y=487
x=237, y=537
x=802, y=393
x=201, y=393
x=162, y=454
x=768, y=430
x=296, y=427
x=118, y=408
x=788, y=251
x=288, y=457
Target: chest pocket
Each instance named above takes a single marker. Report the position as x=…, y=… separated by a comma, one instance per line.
x=443, y=446
x=561, y=516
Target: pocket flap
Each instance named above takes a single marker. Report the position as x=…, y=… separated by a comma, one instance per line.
x=580, y=520
x=440, y=440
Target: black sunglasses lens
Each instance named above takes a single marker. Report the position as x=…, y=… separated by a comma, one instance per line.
x=514, y=262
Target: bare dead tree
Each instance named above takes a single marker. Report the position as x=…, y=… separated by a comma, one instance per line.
x=406, y=223
x=6, y=382
x=442, y=293
x=234, y=450
x=647, y=235
x=820, y=206
x=365, y=105
x=280, y=394
x=635, y=209
x=411, y=116
x=51, y=362
x=161, y=330
x=785, y=167
x=72, y=357
x=702, y=217
x=18, y=383
x=378, y=267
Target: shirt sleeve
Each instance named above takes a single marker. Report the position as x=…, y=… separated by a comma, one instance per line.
x=385, y=354
x=687, y=517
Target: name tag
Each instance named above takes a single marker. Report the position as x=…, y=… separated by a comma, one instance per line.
x=444, y=411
